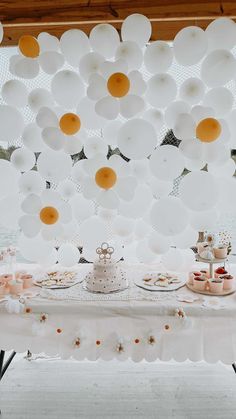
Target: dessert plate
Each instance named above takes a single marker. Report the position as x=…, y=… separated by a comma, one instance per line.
x=206, y=292
x=59, y=280
x=160, y=282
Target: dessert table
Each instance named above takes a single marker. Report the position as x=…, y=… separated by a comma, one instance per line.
x=135, y=323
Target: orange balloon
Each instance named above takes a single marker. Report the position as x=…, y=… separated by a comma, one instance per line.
x=49, y=215
x=70, y=123
x=118, y=84
x=105, y=177
x=208, y=130
x=29, y=46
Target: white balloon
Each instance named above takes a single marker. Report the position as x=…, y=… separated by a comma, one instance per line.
x=140, y=169
x=23, y=159
x=11, y=123
x=68, y=255
x=138, y=85
x=144, y=253
x=161, y=90
x=194, y=164
x=95, y=145
x=48, y=42
x=186, y=239
x=51, y=61
x=184, y=128
x=82, y=208
x=67, y=88
x=191, y=149
x=104, y=39
x=74, y=44
x=131, y=106
x=158, y=243
x=158, y=57
x=54, y=166
x=169, y=216
x=77, y=172
x=31, y=182
x=218, y=68
x=160, y=188
x=15, y=93
x=26, y=68
x=204, y=220
x=131, y=53
x=30, y=225
x=137, y=28
x=166, y=162
x=53, y=137
x=9, y=178
x=174, y=110
x=35, y=249
x=90, y=64
x=32, y=139
x=10, y=211
x=155, y=117
x=190, y=45
x=226, y=169
x=46, y=118
x=122, y=226
x=107, y=107
x=110, y=132
x=189, y=260
x=221, y=33
x=93, y=232
x=31, y=204
x=192, y=90
x=200, y=112
x=141, y=229
x=86, y=111
x=173, y=260
x=73, y=144
x=139, y=205
x=199, y=191
x=216, y=153
x=220, y=99
x=137, y=139
x=67, y=189
x=39, y=98
x=227, y=201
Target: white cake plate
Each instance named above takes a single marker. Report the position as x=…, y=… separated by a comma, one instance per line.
x=171, y=287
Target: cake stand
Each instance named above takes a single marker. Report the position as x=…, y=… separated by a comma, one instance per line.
x=211, y=263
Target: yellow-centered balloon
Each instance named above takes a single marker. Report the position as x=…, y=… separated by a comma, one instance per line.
x=105, y=178
x=118, y=85
x=49, y=215
x=208, y=130
x=29, y=46
x=70, y=123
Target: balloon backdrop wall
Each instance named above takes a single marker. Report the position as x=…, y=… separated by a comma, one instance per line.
x=107, y=100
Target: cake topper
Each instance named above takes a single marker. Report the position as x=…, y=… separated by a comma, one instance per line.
x=105, y=251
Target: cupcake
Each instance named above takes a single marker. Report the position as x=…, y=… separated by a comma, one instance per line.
x=216, y=285
x=199, y=283
x=27, y=280
x=15, y=286
x=220, y=271
x=192, y=275
x=6, y=278
x=220, y=252
x=228, y=281
x=205, y=272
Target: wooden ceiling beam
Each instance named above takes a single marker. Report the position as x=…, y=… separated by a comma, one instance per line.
x=167, y=16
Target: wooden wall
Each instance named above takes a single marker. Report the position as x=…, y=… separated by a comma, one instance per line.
x=55, y=16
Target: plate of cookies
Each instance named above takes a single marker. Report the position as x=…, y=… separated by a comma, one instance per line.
x=58, y=280
x=159, y=281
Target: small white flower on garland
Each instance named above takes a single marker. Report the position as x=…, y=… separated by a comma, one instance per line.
x=180, y=313
x=77, y=342
x=43, y=317
x=120, y=346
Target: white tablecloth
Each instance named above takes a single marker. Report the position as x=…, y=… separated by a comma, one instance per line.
x=134, y=324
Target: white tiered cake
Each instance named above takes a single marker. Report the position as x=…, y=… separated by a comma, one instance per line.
x=107, y=276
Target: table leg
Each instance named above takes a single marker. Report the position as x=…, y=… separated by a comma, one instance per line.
x=4, y=367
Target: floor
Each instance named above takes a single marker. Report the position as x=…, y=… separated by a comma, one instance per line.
x=53, y=389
